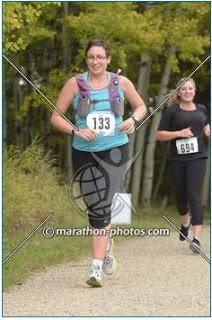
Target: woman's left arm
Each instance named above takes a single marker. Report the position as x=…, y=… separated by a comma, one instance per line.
x=136, y=103
x=207, y=130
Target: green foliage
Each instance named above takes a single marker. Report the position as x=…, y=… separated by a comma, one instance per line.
x=21, y=25
x=129, y=31
x=50, y=40
x=31, y=188
x=182, y=27
x=34, y=100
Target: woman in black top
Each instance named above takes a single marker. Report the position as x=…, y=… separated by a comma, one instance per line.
x=185, y=124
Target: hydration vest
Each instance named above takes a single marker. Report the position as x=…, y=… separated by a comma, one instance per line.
x=85, y=102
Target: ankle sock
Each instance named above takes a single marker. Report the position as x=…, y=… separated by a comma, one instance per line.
x=108, y=246
x=186, y=225
x=196, y=239
x=97, y=262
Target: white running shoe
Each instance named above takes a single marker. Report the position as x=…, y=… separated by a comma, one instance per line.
x=109, y=263
x=95, y=276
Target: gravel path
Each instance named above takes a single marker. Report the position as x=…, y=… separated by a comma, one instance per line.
x=155, y=277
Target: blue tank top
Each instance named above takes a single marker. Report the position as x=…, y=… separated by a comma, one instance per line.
x=101, y=142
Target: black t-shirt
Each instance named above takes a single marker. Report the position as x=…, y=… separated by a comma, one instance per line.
x=175, y=119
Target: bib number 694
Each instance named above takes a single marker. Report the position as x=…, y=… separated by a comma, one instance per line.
x=187, y=146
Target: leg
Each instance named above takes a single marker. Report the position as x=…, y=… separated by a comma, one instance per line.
x=185, y=219
x=179, y=180
x=100, y=216
x=196, y=231
x=92, y=189
x=99, y=182
x=195, y=178
x=113, y=164
x=100, y=243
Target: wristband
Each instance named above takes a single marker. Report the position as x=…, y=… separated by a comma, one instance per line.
x=135, y=118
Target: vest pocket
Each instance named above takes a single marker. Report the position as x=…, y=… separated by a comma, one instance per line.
x=119, y=107
x=84, y=107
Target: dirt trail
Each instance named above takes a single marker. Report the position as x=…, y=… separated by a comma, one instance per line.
x=156, y=276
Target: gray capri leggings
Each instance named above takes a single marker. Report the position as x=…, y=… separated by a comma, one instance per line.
x=102, y=176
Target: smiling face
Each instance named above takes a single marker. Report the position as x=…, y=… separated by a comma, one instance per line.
x=187, y=91
x=97, y=59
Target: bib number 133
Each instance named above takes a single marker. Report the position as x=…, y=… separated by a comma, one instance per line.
x=102, y=122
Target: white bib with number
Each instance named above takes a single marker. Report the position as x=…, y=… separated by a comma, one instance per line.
x=103, y=122
x=188, y=145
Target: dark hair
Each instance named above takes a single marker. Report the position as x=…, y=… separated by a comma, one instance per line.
x=98, y=43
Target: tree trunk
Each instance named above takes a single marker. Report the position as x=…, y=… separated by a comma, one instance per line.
x=4, y=111
x=69, y=165
x=150, y=149
x=131, y=152
x=161, y=173
x=42, y=123
x=65, y=37
x=143, y=86
x=16, y=133
x=27, y=126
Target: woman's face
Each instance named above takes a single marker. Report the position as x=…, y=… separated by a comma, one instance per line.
x=186, y=92
x=97, y=60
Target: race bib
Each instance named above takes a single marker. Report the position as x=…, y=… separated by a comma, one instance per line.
x=188, y=145
x=103, y=122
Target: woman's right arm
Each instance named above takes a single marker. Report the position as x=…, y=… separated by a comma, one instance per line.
x=63, y=102
x=163, y=135
x=66, y=96
x=165, y=132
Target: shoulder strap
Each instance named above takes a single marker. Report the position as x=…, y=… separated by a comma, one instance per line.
x=113, y=89
x=114, y=94
x=83, y=86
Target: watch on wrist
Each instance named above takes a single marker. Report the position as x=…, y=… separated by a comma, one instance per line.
x=135, y=118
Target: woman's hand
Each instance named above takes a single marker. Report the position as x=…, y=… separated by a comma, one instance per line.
x=185, y=133
x=207, y=130
x=128, y=126
x=86, y=134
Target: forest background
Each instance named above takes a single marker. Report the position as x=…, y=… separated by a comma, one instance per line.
x=154, y=43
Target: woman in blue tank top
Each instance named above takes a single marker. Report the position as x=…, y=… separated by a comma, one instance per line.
x=100, y=145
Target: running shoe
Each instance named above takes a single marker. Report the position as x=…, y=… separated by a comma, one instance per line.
x=184, y=231
x=109, y=263
x=196, y=244
x=95, y=276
